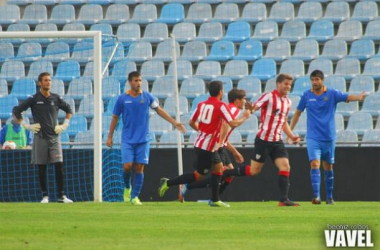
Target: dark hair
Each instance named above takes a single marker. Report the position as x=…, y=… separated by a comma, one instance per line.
x=215, y=87
x=132, y=75
x=41, y=76
x=234, y=94
x=282, y=77
x=317, y=73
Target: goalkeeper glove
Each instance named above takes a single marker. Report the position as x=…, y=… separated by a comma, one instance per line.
x=60, y=128
x=35, y=128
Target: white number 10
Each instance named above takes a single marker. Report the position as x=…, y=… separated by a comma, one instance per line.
x=206, y=113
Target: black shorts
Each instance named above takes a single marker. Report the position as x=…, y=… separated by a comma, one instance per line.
x=264, y=148
x=226, y=157
x=205, y=160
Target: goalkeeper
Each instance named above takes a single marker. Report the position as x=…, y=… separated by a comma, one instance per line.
x=46, y=147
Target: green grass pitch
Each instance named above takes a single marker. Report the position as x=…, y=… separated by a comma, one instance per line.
x=172, y=225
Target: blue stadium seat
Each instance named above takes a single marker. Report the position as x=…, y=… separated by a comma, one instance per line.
x=23, y=88
x=65, y=139
x=45, y=27
x=336, y=82
x=19, y=2
x=3, y=88
x=309, y=12
x=294, y=67
x=373, y=30
x=265, y=31
x=293, y=31
x=226, y=13
x=106, y=122
x=301, y=85
x=281, y=12
x=71, y=102
x=9, y=14
x=128, y=32
x=87, y=106
x=29, y=52
x=208, y=70
x=83, y=52
x=38, y=67
x=185, y=121
x=347, y=108
x=372, y=68
x=350, y=30
x=170, y=137
x=84, y=140
x=251, y=138
x=334, y=50
x=79, y=88
x=192, y=87
x=73, y=2
x=194, y=51
x=347, y=136
x=337, y=12
x=12, y=70
x=184, y=69
x=210, y=32
x=362, y=83
x=144, y=14
x=249, y=126
x=140, y=51
x=164, y=51
x=197, y=100
x=371, y=136
x=122, y=68
x=90, y=14
x=16, y=27
x=360, y=122
x=254, y=13
x=362, y=49
x=278, y=50
x=264, y=69
x=158, y=125
x=110, y=87
x=169, y=105
x=34, y=14
x=62, y=14
x=235, y=138
x=250, y=50
x=236, y=69
x=105, y=28
x=110, y=105
x=155, y=2
x=155, y=32
x=227, y=83
x=221, y=51
x=117, y=14
x=371, y=105
x=73, y=27
x=101, y=2
x=57, y=52
x=57, y=87
x=295, y=99
x=89, y=71
x=129, y=2
x=306, y=50
x=339, y=122
x=7, y=103
x=325, y=65
x=151, y=70
x=172, y=13
x=199, y=13
x=184, y=32
x=163, y=87
x=6, y=51
x=321, y=30
x=365, y=12
x=348, y=68
x=210, y=1
x=251, y=85
x=238, y=32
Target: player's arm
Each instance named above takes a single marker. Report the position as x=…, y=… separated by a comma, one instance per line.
x=194, y=125
x=295, y=139
x=114, y=120
x=161, y=112
x=223, y=135
x=359, y=97
x=237, y=122
x=17, y=110
x=65, y=107
x=238, y=157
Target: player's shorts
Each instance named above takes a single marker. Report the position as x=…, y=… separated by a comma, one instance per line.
x=263, y=149
x=135, y=152
x=205, y=160
x=321, y=150
x=226, y=157
x=46, y=150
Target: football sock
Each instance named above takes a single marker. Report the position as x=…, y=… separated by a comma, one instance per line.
x=315, y=176
x=127, y=178
x=216, y=178
x=182, y=179
x=329, y=183
x=239, y=171
x=42, y=177
x=139, y=180
x=205, y=183
x=59, y=178
x=283, y=183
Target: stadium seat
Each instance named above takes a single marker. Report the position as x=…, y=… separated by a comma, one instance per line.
x=184, y=69
x=301, y=127
x=155, y=33
x=79, y=88
x=238, y=32
x=83, y=52
x=199, y=13
x=185, y=121
x=129, y=2
x=325, y=65
x=163, y=87
x=264, y=69
x=101, y=2
x=116, y=14
x=210, y=32
x=34, y=14
x=65, y=139
x=37, y=67
x=293, y=31
x=208, y=70
x=235, y=138
x=89, y=71
x=295, y=99
x=158, y=125
x=281, y=12
x=184, y=32
x=270, y=85
x=9, y=14
x=140, y=51
x=90, y=14
x=151, y=70
x=337, y=12
x=12, y=70
x=372, y=68
x=254, y=13
x=6, y=52
x=334, y=50
x=29, y=52
x=105, y=28
x=45, y=2
x=3, y=89
x=321, y=30
x=294, y=67
x=362, y=49
x=192, y=87
x=128, y=32
x=57, y=87
x=371, y=105
x=339, y=122
x=265, y=31
x=336, y=82
x=156, y=2
x=62, y=14
x=348, y=68
x=309, y=12
x=278, y=50
x=110, y=87
x=377, y=127
x=73, y=2
x=172, y=13
x=73, y=27
x=250, y=50
x=306, y=50
x=249, y=126
x=197, y=100
x=170, y=137
x=226, y=13
x=251, y=138
x=87, y=105
x=346, y=138
x=251, y=85
x=360, y=122
x=365, y=12
x=84, y=140
x=23, y=88
x=221, y=51
x=301, y=85
x=45, y=27
x=122, y=68
x=227, y=83
x=71, y=102
x=236, y=69
x=362, y=83
x=57, y=52
x=144, y=14
x=371, y=136
x=347, y=108
x=106, y=122
x=194, y=51
x=373, y=30
x=350, y=30
x=110, y=104
x=7, y=103
x=169, y=105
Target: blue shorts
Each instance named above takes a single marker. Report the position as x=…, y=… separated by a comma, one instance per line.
x=321, y=150
x=135, y=152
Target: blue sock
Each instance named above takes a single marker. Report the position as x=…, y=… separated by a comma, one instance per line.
x=329, y=183
x=139, y=180
x=315, y=176
x=127, y=179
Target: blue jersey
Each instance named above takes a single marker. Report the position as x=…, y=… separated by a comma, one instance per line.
x=135, y=115
x=321, y=113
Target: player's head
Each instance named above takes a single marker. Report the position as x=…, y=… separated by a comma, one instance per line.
x=237, y=97
x=44, y=80
x=134, y=79
x=216, y=88
x=284, y=84
x=317, y=78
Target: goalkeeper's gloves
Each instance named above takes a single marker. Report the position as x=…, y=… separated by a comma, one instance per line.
x=60, y=128
x=35, y=128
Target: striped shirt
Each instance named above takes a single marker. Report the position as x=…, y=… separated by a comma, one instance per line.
x=209, y=115
x=235, y=113
x=274, y=111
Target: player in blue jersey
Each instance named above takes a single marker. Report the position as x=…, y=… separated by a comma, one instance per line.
x=320, y=104
x=134, y=106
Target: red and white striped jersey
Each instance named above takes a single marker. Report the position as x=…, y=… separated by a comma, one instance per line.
x=209, y=115
x=274, y=111
x=235, y=113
